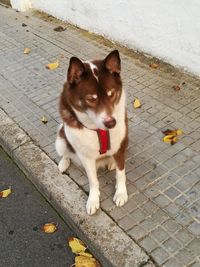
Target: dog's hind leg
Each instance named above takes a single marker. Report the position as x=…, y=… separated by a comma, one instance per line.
x=62, y=150
x=64, y=163
x=111, y=164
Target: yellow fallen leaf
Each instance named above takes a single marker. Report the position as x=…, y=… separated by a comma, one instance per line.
x=52, y=66
x=27, y=50
x=171, y=136
x=168, y=138
x=44, y=119
x=136, y=103
x=5, y=193
x=179, y=132
x=77, y=245
x=49, y=228
x=153, y=65
x=173, y=132
x=85, y=254
x=174, y=140
x=82, y=261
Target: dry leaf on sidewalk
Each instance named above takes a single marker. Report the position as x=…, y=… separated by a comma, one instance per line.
x=44, y=119
x=176, y=87
x=27, y=50
x=171, y=136
x=5, y=193
x=153, y=65
x=49, y=228
x=52, y=66
x=170, y=139
x=59, y=29
x=136, y=103
x=173, y=132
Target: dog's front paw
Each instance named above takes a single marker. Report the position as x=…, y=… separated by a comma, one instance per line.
x=92, y=204
x=63, y=165
x=120, y=197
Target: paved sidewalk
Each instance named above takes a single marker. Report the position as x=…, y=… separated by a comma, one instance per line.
x=163, y=212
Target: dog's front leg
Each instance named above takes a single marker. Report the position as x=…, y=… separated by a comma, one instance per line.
x=94, y=193
x=121, y=196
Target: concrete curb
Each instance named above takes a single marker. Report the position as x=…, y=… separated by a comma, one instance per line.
x=105, y=238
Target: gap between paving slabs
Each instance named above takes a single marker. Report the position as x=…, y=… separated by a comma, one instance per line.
x=105, y=239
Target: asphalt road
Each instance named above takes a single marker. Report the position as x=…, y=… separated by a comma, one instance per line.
x=22, y=243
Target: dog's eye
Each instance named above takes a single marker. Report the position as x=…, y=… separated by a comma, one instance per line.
x=91, y=98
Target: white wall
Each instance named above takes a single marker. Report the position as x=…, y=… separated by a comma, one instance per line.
x=168, y=29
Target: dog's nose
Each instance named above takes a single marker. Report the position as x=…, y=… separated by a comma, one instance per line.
x=110, y=122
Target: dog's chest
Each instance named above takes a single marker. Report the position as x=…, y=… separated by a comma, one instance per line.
x=86, y=142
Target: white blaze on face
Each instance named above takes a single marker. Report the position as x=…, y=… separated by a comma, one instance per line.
x=93, y=68
x=97, y=119
x=100, y=118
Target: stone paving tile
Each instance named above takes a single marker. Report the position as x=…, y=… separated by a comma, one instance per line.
x=163, y=212
x=172, y=263
x=185, y=257
x=160, y=255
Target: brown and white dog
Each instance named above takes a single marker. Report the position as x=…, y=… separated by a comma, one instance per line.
x=94, y=130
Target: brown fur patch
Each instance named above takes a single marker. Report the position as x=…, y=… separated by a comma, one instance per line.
x=66, y=111
x=119, y=156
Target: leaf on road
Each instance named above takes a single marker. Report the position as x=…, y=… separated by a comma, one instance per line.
x=77, y=245
x=82, y=261
x=27, y=50
x=59, y=29
x=49, y=228
x=52, y=66
x=136, y=103
x=171, y=136
x=153, y=65
x=86, y=254
x=176, y=87
x=5, y=193
x=44, y=120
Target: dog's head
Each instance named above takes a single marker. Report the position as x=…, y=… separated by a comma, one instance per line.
x=95, y=88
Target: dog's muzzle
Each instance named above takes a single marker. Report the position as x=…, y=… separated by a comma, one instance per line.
x=109, y=122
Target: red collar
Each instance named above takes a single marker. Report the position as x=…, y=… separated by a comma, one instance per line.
x=104, y=140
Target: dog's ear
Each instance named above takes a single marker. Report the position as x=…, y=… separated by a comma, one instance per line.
x=75, y=70
x=112, y=62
